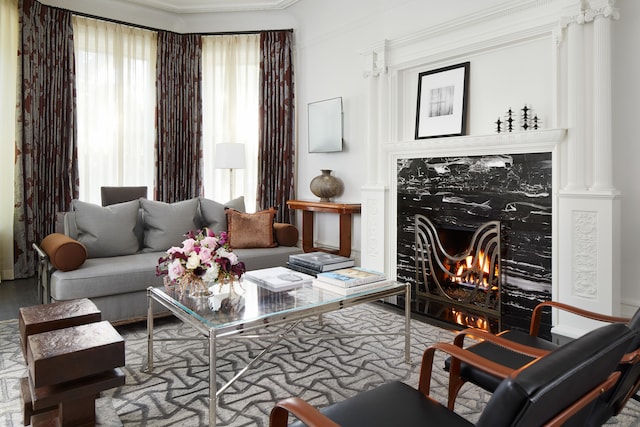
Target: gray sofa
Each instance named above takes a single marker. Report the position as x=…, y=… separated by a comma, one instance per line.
x=124, y=242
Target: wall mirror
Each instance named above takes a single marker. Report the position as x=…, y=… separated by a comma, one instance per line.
x=325, y=126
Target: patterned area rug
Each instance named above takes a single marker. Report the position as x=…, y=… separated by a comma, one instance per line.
x=322, y=371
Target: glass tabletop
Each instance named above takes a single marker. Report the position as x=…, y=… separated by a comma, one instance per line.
x=249, y=302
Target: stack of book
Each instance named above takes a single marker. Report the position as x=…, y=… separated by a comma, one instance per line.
x=348, y=281
x=278, y=278
x=318, y=262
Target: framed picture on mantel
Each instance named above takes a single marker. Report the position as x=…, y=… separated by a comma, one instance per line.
x=442, y=102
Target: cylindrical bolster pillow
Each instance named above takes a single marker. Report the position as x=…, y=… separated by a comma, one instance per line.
x=64, y=253
x=286, y=234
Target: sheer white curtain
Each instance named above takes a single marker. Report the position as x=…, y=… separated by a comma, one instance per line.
x=8, y=81
x=116, y=94
x=230, y=67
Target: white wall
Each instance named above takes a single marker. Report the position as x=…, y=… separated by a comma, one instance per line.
x=626, y=95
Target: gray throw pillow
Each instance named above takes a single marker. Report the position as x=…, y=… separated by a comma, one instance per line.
x=213, y=215
x=107, y=231
x=165, y=224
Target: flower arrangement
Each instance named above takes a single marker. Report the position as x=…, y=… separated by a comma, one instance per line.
x=203, y=258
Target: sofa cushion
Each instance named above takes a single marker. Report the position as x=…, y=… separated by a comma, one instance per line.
x=101, y=277
x=64, y=253
x=107, y=231
x=213, y=215
x=165, y=224
x=251, y=230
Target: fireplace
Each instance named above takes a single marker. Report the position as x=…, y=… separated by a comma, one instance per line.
x=460, y=194
x=458, y=272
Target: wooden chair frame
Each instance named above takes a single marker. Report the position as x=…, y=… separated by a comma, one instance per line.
x=456, y=381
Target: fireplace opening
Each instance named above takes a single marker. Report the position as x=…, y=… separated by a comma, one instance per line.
x=458, y=272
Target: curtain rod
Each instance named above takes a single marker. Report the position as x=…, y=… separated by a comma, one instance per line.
x=144, y=27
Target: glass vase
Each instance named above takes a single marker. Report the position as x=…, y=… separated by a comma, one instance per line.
x=198, y=289
x=171, y=287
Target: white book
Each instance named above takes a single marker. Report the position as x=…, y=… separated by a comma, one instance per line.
x=278, y=278
x=348, y=277
x=341, y=290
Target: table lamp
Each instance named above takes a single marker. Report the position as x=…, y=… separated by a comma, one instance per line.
x=230, y=155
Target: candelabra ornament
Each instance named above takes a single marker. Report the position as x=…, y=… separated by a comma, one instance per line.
x=526, y=116
x=536, y=122
x=509, y=120
x=528, y=120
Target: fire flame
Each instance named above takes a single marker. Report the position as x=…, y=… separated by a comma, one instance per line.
x=467, y=272
x=469, y=320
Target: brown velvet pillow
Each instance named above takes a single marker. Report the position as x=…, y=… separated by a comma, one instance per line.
x=64, y=253
x=251, y=230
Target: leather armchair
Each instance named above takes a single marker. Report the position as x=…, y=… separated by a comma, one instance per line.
x=515, y=349
x=551, y=390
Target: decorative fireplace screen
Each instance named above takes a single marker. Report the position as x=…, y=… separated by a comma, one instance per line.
x=467, y=281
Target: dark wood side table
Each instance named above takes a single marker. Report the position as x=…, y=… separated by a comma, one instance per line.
x=345, y=210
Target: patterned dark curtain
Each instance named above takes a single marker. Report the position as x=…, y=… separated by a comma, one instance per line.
x=179, y=117
x=277, y=139
x=46, y=153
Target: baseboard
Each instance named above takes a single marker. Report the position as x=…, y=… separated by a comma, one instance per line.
x=629, y=307
x=6, y=274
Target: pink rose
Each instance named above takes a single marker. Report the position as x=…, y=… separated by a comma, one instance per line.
x=209, y=241
x=188, y=245
x=205, y=255
x=176, y=270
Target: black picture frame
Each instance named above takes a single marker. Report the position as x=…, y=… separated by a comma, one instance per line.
x=442, y=102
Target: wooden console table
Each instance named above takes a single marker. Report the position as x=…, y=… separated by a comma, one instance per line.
x=345, y=210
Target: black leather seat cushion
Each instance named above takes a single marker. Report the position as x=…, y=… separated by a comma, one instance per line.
x=500, y=355
x=392, y=404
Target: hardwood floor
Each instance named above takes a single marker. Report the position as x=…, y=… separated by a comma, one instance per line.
x=15, y=294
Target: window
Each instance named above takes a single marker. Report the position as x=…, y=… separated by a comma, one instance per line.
x=116, y=104
x=230, y=70
x=116, y=97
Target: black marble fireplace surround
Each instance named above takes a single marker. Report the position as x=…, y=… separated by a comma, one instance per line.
x=466, y=191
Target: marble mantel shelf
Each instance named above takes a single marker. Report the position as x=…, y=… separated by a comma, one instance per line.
x=508, y=142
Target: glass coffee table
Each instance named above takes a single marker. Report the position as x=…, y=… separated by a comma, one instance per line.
x=255, y=309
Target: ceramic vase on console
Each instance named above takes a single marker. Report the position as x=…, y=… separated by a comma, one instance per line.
x=326, y=186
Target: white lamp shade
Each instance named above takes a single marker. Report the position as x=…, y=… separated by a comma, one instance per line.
x=229, y=155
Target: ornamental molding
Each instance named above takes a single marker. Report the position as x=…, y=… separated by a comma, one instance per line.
x=507, y=142
x=585, y=254
x=488, y=29
x=586, y=12
x=375, y=60
x=179, y=7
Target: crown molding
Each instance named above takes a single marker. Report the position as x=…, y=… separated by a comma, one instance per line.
x=214, y=6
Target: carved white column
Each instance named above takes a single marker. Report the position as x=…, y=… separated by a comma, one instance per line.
x=588, y=220
x=576, y=114
x=602, y=117
x=374, y=193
